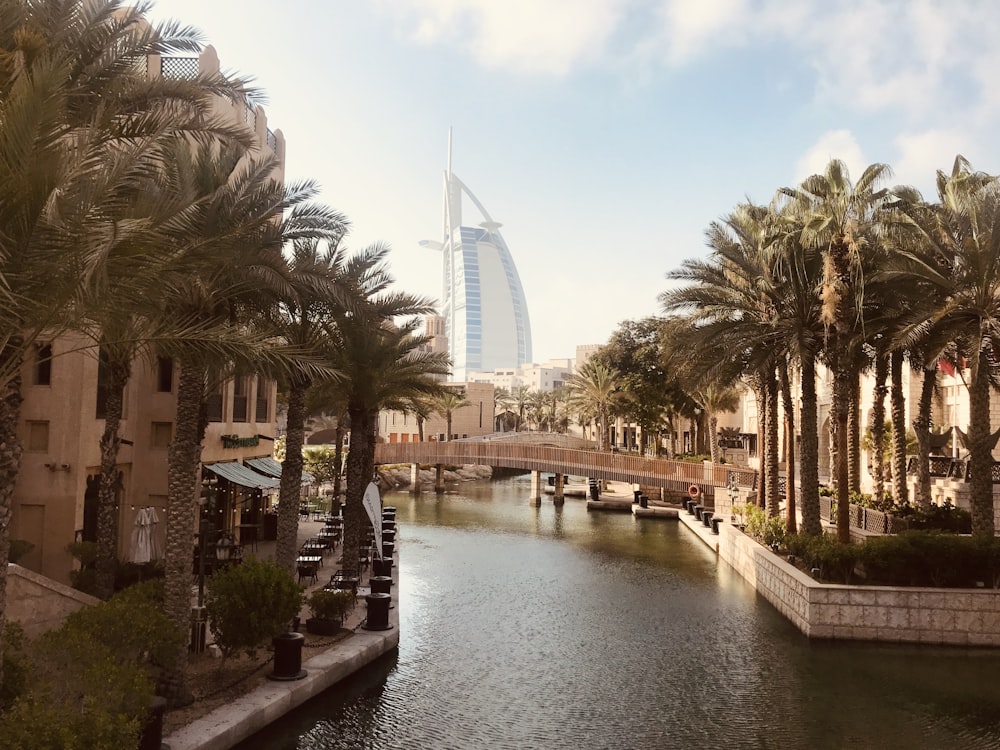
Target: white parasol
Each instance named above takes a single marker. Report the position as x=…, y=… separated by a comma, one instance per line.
x=145, y=546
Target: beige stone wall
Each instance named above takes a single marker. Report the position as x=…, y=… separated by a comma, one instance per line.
x=40, y=604
x=963, y=617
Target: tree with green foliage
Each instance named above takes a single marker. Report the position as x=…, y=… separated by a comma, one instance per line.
x=593, y=389
x=446, y=403
x=249, y=604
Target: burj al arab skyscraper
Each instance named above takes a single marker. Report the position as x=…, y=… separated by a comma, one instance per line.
x=482, y=301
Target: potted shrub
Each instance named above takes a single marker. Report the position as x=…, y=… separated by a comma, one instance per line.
x=329, y=608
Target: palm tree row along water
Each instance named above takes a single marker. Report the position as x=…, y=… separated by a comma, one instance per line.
x=854, y=276
x=138, y=220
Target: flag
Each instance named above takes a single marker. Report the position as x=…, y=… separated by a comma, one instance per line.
x=373, y=506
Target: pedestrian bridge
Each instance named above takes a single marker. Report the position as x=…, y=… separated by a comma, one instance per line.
x=542, y=456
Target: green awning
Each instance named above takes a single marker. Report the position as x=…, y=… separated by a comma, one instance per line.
x=237, y=473
x=271, y=467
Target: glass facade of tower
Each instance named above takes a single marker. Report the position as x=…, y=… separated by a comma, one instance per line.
x=482, y=301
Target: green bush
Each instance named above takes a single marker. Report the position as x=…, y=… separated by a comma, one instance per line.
x=134, y=625
x=15, y=664
x=92, y=679
x=331, y=605
x=18, y=549
x=84, y=579
x=249, y=604
x=81, y=696
x=756, y=520
x=774, y=531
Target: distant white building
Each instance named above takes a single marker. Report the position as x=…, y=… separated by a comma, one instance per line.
x=482, y=301
x=544, y=377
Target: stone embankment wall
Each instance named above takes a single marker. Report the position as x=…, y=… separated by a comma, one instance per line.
x=39, y=604
x=398, y=476
x=963, y=617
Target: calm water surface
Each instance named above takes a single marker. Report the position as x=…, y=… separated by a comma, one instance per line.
x=526, y=627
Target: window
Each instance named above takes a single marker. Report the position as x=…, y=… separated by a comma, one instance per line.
x=263, y=404
x=213, y=404
x=164, y=374
x=43, y=364
x=161, y=435
x=38, y=436
x=240, y=390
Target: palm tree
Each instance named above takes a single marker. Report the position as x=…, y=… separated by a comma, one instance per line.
x=592, y=389
x=503, y=399
x=736, y=301
x=958, y=258
x=238, y=221
x=80, y=125
x=715, y=398
x=843, y=220
x=326, y=279
x=522, y=397
x=447, y=403
x=384, y=366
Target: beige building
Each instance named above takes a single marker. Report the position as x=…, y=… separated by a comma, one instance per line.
x=62, y=421
x=473, y=420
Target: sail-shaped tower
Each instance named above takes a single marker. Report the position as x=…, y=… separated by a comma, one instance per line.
x=482, y=300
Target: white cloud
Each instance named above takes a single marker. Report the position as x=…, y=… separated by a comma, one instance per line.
x=836, y=144
x=922, y=154
x=525, y=36
x=693, y=27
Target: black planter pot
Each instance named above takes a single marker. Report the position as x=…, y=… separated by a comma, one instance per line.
x=323, y=626
x=288, y=657
x=378, y=612
x=382, y=567
x=152, y=731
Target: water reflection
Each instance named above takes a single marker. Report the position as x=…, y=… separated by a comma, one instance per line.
x=551, y=627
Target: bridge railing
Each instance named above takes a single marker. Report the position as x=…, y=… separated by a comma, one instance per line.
x=618, y=467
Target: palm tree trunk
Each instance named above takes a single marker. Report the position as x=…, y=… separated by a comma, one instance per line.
x=810, y=450
x=10, y=463
x=107, y=493
x=838, y=428
x=338, y=453
x=760, y=395
x=878, y=426
x=360, y=470
x=898, y=407
x=922, y=428
x=791, y=522
x=291, y=477
x=980, y=443
x=854, y=433
x=183, y=471
x=713, y=428
x=771, y=442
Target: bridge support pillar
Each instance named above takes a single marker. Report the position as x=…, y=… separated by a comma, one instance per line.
x=536, y=488
x=415, y=478
x=558, y=495
x=439, y=478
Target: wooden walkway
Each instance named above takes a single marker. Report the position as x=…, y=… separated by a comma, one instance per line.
x=612, y=466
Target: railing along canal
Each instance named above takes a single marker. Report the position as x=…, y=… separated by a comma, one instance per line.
x=618, y=467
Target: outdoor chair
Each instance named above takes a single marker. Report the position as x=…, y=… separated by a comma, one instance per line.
x=309, y=572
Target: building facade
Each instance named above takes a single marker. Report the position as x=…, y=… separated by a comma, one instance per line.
x=475, y=419
x=62, y=420
x=482, y=301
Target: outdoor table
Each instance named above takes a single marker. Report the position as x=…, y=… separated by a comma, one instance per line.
x=311, y=549
x=309, y=560
x=328, y=539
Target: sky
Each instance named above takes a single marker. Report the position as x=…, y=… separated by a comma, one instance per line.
x=605, y=135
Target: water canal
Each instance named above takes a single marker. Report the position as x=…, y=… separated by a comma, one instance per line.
x=549, y=627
